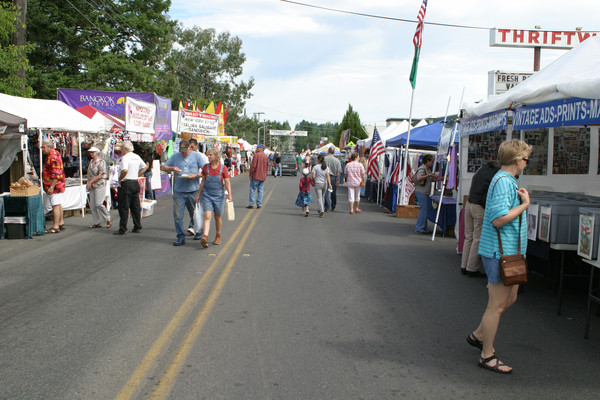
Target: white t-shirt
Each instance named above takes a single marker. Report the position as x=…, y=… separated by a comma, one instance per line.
x=320, y=174
x=132, y=163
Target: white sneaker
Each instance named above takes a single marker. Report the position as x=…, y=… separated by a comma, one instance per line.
x=191, y=232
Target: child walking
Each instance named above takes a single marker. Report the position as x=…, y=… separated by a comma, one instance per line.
x=304, y=198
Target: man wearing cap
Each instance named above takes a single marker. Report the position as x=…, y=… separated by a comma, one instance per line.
x=258, y=175
x=96, y=186
x=131, y=168
x=186, y=165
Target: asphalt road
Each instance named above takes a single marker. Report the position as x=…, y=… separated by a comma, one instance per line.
x=288, y=307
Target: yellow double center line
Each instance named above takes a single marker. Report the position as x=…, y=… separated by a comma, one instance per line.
x=166, y=383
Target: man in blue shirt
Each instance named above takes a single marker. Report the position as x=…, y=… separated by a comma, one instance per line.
x=186, y=165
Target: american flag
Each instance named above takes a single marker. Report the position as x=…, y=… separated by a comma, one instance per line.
x=417, y=39
x=376, y=150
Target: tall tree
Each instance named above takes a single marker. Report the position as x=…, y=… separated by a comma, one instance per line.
x=13, y=60
x=350, y=121
x=104, y=45
x=208, y=67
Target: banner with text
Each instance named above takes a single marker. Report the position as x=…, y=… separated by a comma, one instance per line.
x=568, y=112
x=494, y=121
x=112, y=103
x=198, y=123
x=287, y=133
x=139, y=116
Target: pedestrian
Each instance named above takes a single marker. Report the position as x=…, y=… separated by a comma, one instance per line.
x=148, y=174
x=505, y=209
x=320, y=174
x=53, y=175
x=474, y=210
x=131, y=168
x=215, y=180
x=195, y=148
x=304, y=198
x=335, y=169
x=277, y=164
x=258, y=175
x=422, y=178
x=96, y=186
x=186, y=165
x=299, y=162
x=355, y=175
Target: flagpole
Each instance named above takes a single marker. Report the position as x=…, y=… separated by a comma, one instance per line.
x=454, y=129
x=405, y=163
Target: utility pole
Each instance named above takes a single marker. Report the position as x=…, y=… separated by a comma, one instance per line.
x=20, y=36
x=257, y=115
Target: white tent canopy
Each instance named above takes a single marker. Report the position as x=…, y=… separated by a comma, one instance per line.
x=48, y=114
x=574, y=74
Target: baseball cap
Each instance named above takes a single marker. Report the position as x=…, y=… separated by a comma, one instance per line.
x=260, y=146
x=183, y=145
x=93, y=148
x=305, y=171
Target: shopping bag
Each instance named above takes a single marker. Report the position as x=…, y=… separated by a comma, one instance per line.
x=198, y=217
x=229, y=211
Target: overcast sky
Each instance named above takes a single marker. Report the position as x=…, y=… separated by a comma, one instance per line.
x=310, y=64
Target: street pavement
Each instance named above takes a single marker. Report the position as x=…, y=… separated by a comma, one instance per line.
x=288, y=307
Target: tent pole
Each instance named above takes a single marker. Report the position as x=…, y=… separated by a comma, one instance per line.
x=41, y=164
x=81, y=195
x=412, y=96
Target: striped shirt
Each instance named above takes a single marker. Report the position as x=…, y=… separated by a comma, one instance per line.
x=354, y=173
x=501, y=198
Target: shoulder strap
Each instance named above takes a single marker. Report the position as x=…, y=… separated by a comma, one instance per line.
x=498, y=229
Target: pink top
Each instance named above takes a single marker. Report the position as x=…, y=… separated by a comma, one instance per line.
x=305, y=183
x=354, y=173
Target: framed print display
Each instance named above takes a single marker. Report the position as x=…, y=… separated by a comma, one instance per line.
x=532, y=221
x=585, y=242
x=544, y=229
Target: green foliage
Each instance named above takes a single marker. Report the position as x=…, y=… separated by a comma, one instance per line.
x=315, y=133
x=350, y=121
x=116, y=45
x=12, y=58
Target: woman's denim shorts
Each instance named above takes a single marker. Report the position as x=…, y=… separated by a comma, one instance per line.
x=492, y=270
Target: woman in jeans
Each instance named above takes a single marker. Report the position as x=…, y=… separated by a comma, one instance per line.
x=320, y=174
x=504, y=204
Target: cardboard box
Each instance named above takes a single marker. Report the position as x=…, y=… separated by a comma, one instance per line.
x=25, y=192
x=408, y=211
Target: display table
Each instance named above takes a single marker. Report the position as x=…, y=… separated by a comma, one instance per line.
x=75, y=198
x=593, y=295
x=447, y=213
x=29, y=207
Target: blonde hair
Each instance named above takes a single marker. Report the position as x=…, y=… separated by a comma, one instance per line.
x=512, y=150
x=214, y=152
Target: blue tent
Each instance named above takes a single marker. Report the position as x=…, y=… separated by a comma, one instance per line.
x=426, y=136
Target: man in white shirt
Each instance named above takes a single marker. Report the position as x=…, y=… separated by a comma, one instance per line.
x=130, y=168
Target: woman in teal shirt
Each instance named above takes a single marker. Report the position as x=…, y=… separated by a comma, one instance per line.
x=505, y=203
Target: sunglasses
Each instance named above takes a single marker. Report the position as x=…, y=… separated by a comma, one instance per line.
x=526, y=160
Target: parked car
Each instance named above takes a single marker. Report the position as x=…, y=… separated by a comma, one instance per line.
x=288, y=164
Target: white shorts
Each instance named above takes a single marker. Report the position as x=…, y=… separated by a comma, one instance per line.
x=57, y=199
x=354, y=194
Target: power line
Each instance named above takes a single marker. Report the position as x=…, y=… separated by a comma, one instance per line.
x=382, y=17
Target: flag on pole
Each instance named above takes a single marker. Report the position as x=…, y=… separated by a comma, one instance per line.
x=376, y=150
x=417, y=40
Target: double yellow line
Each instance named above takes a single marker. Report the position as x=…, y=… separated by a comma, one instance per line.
x=162, y=390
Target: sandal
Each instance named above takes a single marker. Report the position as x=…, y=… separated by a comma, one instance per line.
x=109, y=223
x=95, y=226
x=358, y=210
x=473, y=341
x=62, y=227
x=52, y=230
x=483, y=363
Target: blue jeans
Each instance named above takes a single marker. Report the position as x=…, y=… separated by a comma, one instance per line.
x=256, y=186
x=277, y=169
x=423, y=200
x=181, y=201
x=331, y=198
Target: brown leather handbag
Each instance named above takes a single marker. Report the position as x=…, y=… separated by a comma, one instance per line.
x=513, y=268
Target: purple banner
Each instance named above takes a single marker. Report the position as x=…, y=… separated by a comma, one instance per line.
x=112, y=103
x=162, y=123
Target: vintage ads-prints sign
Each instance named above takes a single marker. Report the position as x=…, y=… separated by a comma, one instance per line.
x=494, y=121
x=139, y=116
x=537, y=38
x=568, y=112
x=501, y=81
x=196, y=122
x=585, y=243
x=273, y=132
